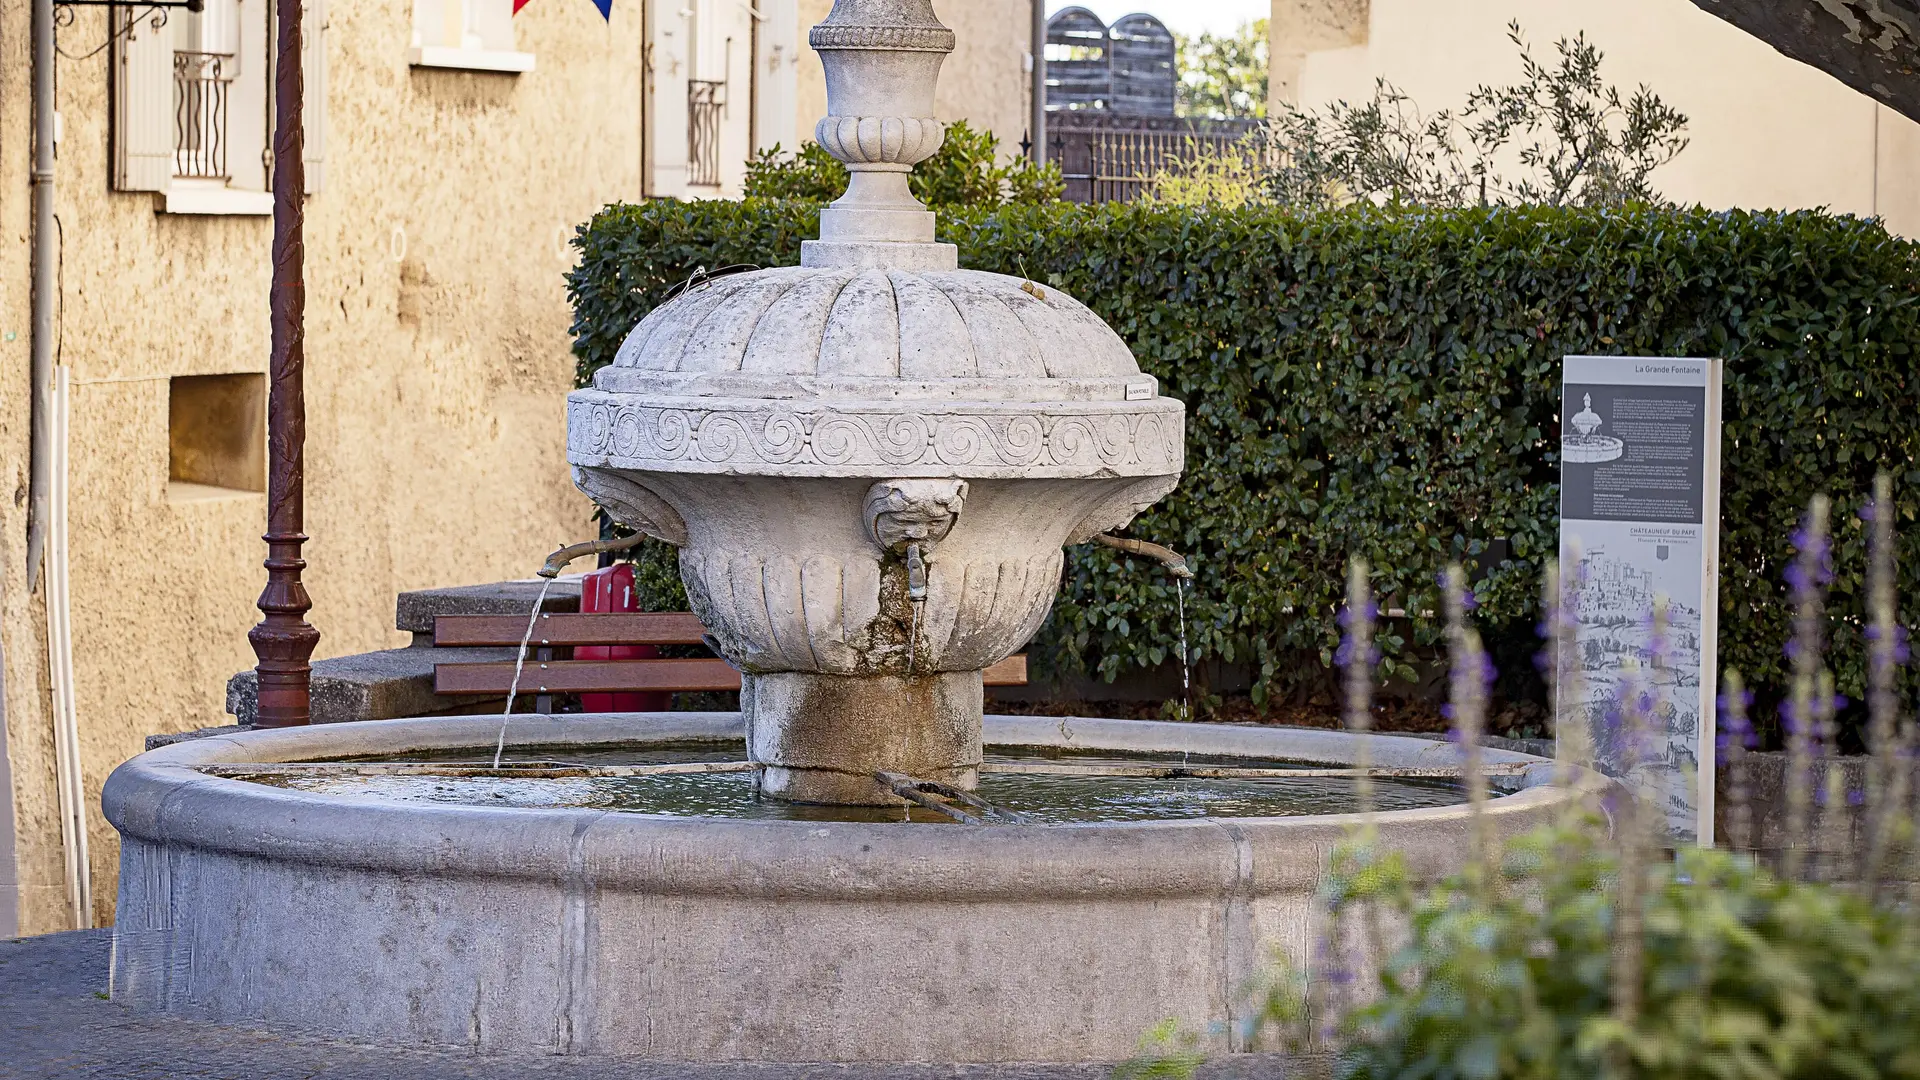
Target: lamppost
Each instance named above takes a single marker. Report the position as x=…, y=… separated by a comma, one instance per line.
x=1037, y=92
x=283, y=641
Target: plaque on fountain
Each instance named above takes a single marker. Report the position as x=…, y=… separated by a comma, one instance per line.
x=1640, y=528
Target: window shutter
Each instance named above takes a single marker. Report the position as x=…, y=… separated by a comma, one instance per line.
x=142, y=101
x=313, y=60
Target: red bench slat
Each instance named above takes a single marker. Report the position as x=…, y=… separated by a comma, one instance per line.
x=566, y=628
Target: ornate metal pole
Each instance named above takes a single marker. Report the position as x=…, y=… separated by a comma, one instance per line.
x=283, y=641
x=1037, y=93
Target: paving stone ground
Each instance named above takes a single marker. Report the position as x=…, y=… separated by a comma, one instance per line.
x=55, y=1021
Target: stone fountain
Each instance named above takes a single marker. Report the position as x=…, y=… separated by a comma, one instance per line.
x=870, y=464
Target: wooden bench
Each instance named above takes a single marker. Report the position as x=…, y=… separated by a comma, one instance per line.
x=547, y=673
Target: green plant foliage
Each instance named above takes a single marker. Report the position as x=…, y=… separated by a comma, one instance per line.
x=1576, y=139
x=1744, y=976
x=1384, y=383
x=809, y=173
x=1223, y=76
x=963, y=172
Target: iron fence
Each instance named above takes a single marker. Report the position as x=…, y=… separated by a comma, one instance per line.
x=1122, y=165
x=704, y=103
x=200, y=82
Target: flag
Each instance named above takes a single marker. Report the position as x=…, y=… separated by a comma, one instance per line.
x=605, y=6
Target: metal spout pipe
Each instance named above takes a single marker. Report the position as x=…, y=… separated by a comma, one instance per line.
x=558, y=561
x=916, y=574
x=1175, y=563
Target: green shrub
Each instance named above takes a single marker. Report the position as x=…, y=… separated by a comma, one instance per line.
x=1385, y=383
x=963, y=172
x=1743, y=976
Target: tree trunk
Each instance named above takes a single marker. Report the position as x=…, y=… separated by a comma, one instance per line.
x=1872, y=46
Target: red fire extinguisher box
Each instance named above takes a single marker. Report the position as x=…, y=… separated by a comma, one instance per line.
x=611, y=590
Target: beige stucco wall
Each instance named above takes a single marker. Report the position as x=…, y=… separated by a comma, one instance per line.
x=984, y=81
x=437, y=364
x=1301, y=28
x=1767, y=132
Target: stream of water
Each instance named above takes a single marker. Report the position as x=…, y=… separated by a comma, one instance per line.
x=519, y=665
x=1186, y=676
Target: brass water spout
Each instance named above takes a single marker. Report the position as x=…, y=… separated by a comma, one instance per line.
x=1175, y=562
x=558, y=561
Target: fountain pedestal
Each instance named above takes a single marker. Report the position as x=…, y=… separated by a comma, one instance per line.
x=822, y=737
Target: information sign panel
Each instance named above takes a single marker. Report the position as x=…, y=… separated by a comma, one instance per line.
x=1640, y=522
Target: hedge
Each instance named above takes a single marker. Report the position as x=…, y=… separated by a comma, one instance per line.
x=1385, y=383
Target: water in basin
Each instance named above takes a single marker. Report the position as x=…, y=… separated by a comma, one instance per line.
x=1049, y=799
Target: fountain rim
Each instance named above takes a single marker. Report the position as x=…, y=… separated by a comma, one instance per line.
x=160, y=797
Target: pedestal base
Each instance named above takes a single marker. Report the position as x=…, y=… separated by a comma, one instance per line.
x=822, y=737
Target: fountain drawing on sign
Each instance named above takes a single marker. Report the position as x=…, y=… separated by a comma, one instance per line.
x=870, y=465
x=1584, y=444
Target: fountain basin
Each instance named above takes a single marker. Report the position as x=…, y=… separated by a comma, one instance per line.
x=543, y=931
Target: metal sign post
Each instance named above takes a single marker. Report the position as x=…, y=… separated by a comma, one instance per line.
x=1640, y=531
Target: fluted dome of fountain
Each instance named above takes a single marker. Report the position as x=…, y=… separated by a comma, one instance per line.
x=959, y=330
x=832, y=371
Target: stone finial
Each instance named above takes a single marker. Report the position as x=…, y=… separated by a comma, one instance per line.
x=882, y=60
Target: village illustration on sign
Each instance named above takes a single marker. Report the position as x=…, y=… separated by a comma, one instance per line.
x=1616, y=600
x=1584, y=445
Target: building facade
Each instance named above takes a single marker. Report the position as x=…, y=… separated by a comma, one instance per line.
x=1766, y=132
x=453, y=149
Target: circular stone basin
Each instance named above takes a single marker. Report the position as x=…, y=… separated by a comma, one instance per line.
x=346, y=906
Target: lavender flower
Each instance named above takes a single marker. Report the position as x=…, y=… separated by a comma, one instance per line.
x=1808, y=576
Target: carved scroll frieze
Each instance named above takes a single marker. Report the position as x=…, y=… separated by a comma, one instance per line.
x=673, y=438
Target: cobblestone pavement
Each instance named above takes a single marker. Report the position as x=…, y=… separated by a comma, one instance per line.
x=55, y=1021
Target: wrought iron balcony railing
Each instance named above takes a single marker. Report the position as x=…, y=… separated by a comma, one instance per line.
x=200, y=81
x=704, y=103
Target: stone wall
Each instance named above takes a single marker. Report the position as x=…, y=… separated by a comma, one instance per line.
x=437, y=365
x=1767, y=807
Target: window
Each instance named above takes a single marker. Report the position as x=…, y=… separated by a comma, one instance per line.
x=192, y=104
x=216, y=435
x=472, y=35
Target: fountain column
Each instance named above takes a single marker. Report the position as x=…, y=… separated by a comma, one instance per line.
x=870, y=462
